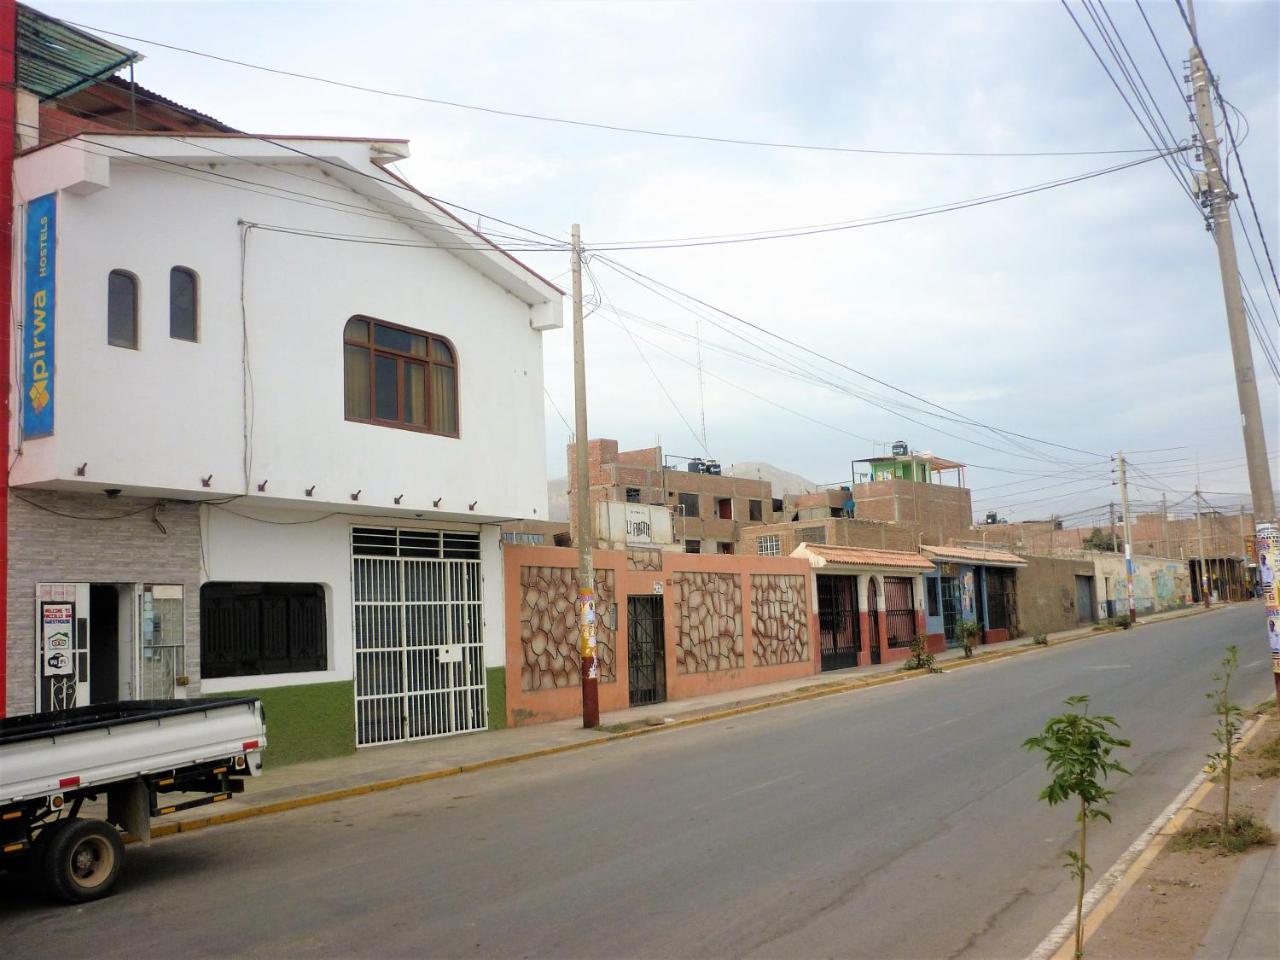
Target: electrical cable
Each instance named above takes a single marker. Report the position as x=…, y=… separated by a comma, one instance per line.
x=616, y=128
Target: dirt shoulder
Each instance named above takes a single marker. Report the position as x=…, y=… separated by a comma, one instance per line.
x=1167, y=912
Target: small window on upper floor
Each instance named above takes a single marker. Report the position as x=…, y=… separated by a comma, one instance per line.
x=397, y=377
x=183, y=304
x=122, y=309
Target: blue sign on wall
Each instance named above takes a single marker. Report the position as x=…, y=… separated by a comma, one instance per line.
x=37, y=323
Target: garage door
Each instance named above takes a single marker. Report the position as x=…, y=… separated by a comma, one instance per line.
x=419, y=651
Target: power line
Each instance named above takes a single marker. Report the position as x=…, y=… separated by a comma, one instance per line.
x=612, y=127
x=630, y=271
x=1115, y=83
x=1226, y=118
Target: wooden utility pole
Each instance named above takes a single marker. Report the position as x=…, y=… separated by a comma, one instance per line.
x=590, y=670
x=1128, y=538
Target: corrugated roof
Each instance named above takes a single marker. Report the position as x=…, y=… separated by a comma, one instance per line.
x=55, y=59
x=821, y=555
x=988, y=558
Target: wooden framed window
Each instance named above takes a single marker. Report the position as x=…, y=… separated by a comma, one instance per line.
x=398, y=377
x=183, y=304
x=122, y=309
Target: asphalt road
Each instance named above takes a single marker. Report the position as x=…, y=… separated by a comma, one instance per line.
x=900, y=821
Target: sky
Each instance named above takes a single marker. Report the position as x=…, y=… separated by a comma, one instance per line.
x=1090, y=316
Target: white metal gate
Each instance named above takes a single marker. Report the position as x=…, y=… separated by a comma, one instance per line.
x=416, y=620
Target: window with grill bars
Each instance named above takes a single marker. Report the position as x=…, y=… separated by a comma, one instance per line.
x=769, y=545
x=398, y=377
x=408, y=542
x=249, y=629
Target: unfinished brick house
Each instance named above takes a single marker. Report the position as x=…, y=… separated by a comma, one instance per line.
x=710, y=511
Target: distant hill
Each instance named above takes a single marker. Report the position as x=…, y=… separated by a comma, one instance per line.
x=783, y=482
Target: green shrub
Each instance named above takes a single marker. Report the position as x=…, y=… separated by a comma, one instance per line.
x=1122, y=621
x=921, y=658
x=1041, y=639
x=967, y=631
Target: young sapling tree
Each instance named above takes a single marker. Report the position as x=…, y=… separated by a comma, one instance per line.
x=1227, y=732
x=1077, y=752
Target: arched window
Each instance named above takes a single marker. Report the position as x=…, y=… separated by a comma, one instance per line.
x=399, y=377
x=122, y=309
x=183, y=304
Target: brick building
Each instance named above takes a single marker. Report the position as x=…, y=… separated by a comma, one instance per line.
x=900, y=503
x=710, y=511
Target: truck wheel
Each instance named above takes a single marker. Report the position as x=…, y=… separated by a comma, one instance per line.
x=82, y=860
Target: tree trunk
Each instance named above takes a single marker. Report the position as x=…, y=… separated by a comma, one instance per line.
x=1084, y=835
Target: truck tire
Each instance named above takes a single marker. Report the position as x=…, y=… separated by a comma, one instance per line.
x=82, y=859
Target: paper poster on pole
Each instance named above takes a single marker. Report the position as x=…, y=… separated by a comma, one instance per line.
x=1268, y=560
x=56, y=623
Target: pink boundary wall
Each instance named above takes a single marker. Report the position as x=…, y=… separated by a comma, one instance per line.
x=540, y=706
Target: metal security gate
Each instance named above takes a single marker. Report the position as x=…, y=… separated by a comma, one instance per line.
x=646, y=651
x=899, y=611
x=838, y=632
x=952, y=608
x=419, y=650
x=1002, y=601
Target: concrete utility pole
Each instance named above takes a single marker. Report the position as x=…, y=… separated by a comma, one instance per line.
x=1128, y=538
x=1266, y=531
x=1164, y=524
x=590, y=670
x=1204, y=570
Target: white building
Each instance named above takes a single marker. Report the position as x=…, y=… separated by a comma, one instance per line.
x=291, y=400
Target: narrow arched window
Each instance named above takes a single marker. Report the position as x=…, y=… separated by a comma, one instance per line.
x=183, y=304
x=399, y=377
x=122, y=309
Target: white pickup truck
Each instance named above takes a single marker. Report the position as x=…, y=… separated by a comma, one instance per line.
x=140, y=756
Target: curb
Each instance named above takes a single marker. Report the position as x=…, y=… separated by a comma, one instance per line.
x=1110, y=890
x=345, y=793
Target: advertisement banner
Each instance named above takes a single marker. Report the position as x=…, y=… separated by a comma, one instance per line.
x=37, y=316
x=56, y=623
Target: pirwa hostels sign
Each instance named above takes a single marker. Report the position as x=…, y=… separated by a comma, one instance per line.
x=37, y=334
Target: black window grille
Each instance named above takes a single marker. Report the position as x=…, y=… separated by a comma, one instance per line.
x=249, y=629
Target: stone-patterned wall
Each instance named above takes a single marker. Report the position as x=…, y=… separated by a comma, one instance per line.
x=779, y=620
x=549, y=627
x=644, y=560
x=709, y=614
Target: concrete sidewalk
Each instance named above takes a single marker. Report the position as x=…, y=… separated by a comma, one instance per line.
x=386, y=767
x=1247, y=923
